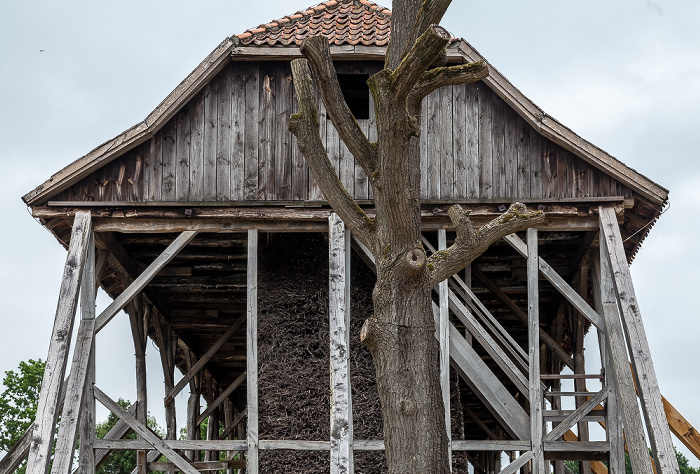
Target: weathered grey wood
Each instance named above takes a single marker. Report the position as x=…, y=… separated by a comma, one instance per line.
x=238, y=130
x=252, y=120
x=283, y=141
x=533, y=336
x=647, y=384
x=118, y=431
x=576, y=416
x=485, y=142
x=144, y=432
x=144, y=278
x=558, y=282
x=341, y=427
x=220, y=399
x=224, y=138
x=193, y=432
x=252, y=353
x=576, y=446
x=604, y=292
x=520, y=462
x=266, y=132
x=47, y=406
x=580, y=361
x=234, y=424
x=176, y=444
x=70, y=418
x=199, y=466
x=152, y=456
x=616, y=348
x=182, y=154
x=138, y=333
x=443, y=337
x=524, y=160
x=472, y=140
x=210, y=139
x=196, y=168
x=196, y=368
x=498, y=152
x=459, y=125
x=444, y=136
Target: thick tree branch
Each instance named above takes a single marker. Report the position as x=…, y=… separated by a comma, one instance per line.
x=304, y=125
x=471, y=243
x=419, y=58
x=317, y=50
x=446, y=76
x=407, y=25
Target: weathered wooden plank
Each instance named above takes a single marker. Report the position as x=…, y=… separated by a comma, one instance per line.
x=210, y=140
x=199, y=466
x=283, y=142
x=624, y=385
x=196, y=169
x=224, y=135
x=498, y=136
x=169, y=160
x=524, y=171
x=433, y=122
x=267, y=132
x=558, y=282
x=647, y=384
x=153, y=175
x=70, y=418
x=459, y=141
x=176, y=444
x=193, y=431
x=251, y=130
x=47, y=406
x=535, y=160
x=211, y=352
x=472, y=105
x=423, y=145
x=182, y=153
x=486, y=176
x=576, y=416
x=252, y=353
x=144, y=278
x=445, y=158
x=324, y=124
x=341, y=426
x=144, y=432
x=510, y=152
x=300, y=170
x=683, y=430
x=239, y=108
x=86, y=456
x=220, y=399
x=443, y=336
x=533, y=337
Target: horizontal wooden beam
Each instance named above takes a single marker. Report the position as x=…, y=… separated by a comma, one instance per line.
x=200, y=466
x=576, y=416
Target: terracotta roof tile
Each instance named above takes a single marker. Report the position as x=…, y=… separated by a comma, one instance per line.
x=342, y=21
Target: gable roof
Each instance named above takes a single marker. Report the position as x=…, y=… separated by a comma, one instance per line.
x=345, y=20
x=341, y=21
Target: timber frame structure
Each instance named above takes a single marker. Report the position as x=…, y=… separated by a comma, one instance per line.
x=167, y=219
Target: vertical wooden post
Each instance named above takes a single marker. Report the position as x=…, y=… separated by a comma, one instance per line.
x=167, y=346
x=56, y=361
x=580, y=363
x=252, y=353
x=138, y=333
x=647, y=385
x=533, y=310
x=339, y=325
x=87, y=303
x=444, y=338
x=604, y=293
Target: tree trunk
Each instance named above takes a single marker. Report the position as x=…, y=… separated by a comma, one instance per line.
x=401, y=333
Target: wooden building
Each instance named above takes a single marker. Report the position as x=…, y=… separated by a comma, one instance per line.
x=168, y=217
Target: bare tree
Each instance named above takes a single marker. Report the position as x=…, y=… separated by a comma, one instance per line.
x=400, y=334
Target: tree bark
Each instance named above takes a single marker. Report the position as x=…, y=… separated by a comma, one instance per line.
x=401, y=333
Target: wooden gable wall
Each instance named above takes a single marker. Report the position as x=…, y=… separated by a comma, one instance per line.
x=231, y=143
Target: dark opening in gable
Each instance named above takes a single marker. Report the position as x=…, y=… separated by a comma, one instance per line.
x=356, y=93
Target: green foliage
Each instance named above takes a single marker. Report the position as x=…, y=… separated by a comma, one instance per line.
x=18, y=402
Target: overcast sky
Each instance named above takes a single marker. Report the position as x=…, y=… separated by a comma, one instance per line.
x=625, y=75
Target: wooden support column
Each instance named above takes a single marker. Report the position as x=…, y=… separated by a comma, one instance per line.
x=444, y=338
x=339, y=323
x=87, y=417
x=252, y=465
x=647, y=384
x=580, y=365
x=138, y=334
x=47, y=408
x=533, y=311
x=624, y=385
